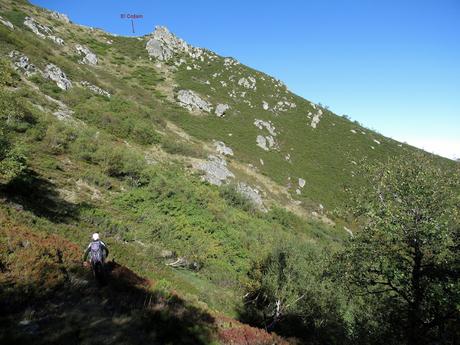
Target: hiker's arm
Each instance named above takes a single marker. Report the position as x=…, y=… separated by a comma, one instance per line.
x=106, y=249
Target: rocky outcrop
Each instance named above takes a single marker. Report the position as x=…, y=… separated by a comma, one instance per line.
x=283, y=106
x=60, y=16
x=58, y=76
x=315, y=118
x=215, y=169
x=164, y=45
x=265, y=105
x=89, y=57
x=42, y=31
x=223, y=149
x=38, y=29
x=21, y=62
x=252, y=194
x=6, y=23
x=221, y=109
x=266, y=142
x=268, y=125
x=191, y=101
x=95, y=89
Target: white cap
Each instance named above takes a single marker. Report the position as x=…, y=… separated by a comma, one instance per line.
x=95, y=236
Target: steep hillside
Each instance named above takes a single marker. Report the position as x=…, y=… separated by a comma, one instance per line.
x=193, y=167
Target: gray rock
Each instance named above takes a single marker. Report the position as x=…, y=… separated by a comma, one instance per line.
x=222, y=149
x=6, y=23
x=164, y=45
x=191, y=101
x=221, y=109
x=268, y=125
x=95, y=89
x=252, y=194
x=89, y=57
x=248, y=83
x=315, y=118
x=56, y=40
x=60, y=16
x=21, y=62
x=42, y=31
x=301, y=182
x=215, y=169
x=266, y=142
x=38, y=29
x=265, y=105
x=58, y=76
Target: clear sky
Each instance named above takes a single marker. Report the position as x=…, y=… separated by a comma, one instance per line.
x=393, y=65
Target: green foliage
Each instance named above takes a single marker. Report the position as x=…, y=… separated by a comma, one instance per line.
x=234, y=198
x=13, y=161
x=405, y=260
x=291, y=294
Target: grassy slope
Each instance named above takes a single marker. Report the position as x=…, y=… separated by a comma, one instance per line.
x=92, y=176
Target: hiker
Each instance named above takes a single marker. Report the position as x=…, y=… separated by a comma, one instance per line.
x=97, y=250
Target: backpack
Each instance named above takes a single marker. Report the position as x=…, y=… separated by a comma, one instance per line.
x=96, y=252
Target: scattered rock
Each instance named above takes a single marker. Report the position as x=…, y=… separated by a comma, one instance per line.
x=265, y=143
x=261, y=161
x=191, y=101
x=222, y=149
x=265, y=105
x=248, y=83
x=301, y=182
x=353, y=131
x=252, y=194
x=58, y=76
x=215, y=169
x=283, y=106
x=376, y=141
x=21, y=62
x=95, y=89
x=221, y=109
x=89, y=57
x=6, y=23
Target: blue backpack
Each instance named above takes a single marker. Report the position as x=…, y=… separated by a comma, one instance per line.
x=96, y=252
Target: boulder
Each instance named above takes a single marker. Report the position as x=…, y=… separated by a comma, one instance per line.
x=58, y=76
x=265, y=105
x=60, y=16
x=21, y=62
x=89, y=57
x=191, y=101
x=6, y=23
x=215, y=169
x=223, y=149
x=221, y=109
x=268, y=125
x=301, y=182
x=163, y=45
x=38, y=29
x=315, y=118
x=56, y=40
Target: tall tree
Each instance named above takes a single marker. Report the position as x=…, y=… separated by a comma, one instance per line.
x=405, y=259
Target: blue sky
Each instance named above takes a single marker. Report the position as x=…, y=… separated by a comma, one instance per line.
x=392, y=65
